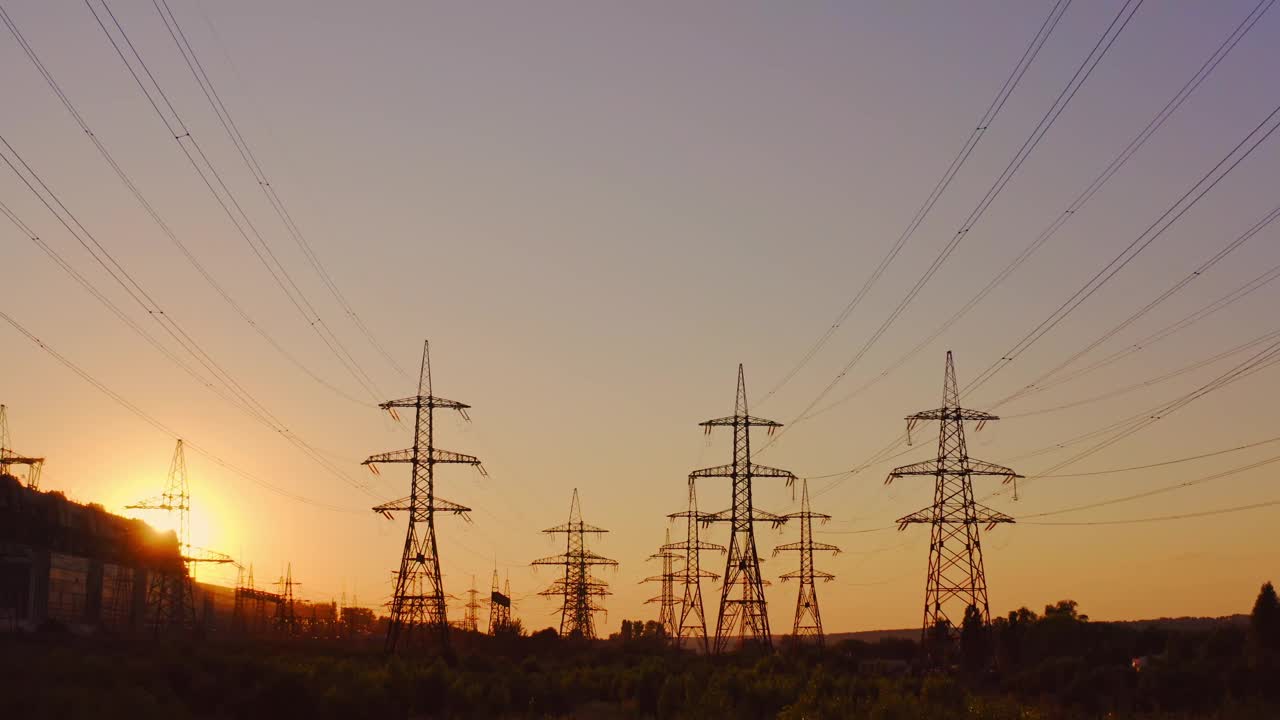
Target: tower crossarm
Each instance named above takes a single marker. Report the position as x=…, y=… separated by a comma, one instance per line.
x=982, y=516
x=757, y=515
x=699, y=545
x=575, y=527
x=160, y=503
x=982, y=467
x=752, y=470
x=212, y=557
x=744, y=420
x=798, y=575
x=426, y=401
x=438, y=504
x=951, y=414
x=437, y=456
x=812, y=545
x=924, y=467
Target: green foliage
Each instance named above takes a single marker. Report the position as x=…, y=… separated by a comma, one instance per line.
x=1057, y=666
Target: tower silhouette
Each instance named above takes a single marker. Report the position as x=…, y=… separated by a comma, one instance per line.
x=692, y=623
x=578, y=589
x=471, y=620
x=499, y=606
x=743, y=611
x=170, y=594
x=418, y=603
x=808, y=622
x=666, y=597
x=10, y=457
x=956, y=578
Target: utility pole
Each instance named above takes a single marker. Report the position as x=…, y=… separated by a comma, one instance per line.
x=666, y=597
x=956, y=578
x=471, y=620
x=743, y=611
x=10, y=457
x=499, y=606
x=808, y=622
x=418, y=603
x=692, y=623
x=578, y=588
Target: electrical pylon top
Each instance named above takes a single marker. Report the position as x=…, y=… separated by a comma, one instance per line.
x=693, y=622
x=578, y=588
x=808, y=621
x=956, y=579
x=10, y=457
x=666, y=597
x=743, y=610
x=418, y=603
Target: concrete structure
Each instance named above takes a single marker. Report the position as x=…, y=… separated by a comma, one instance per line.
x=73, y=564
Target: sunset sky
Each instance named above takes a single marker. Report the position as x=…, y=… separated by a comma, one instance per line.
x=595, y=211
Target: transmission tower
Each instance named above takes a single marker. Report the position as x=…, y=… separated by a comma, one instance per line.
x=471, y=620
x=693, y=622
x=10, y=457
x=743, y=612
x=286, y=610
x=499, y=606
x=956, y=579
x=808, y=622
x=578, y=588
x=171, y=605
x=666, y=597
x=418, y=604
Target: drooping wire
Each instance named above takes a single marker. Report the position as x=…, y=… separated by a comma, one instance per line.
x=1242, y=150
x=1076, y=205
x=226, y=199
x=1082, y=73
x=154, y=214
x=235, y=394
x=940, y=187
x=255, y=168
x=158, y=425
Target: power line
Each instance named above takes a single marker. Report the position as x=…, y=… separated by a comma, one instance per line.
x=1160, y=490
x=227, y=200
x=255, y=168
x=151, y=210
x=1190, y=458
x=1153, y=381
x=240, y=398
x=1184, y=203
x=1080, y=200
x=1082, y=73
x=970, y=143
x=1167, y=331
x=1163, y=518
x=1231, y=247
x=150, y=420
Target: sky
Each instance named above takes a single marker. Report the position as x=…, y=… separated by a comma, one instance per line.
x=595, y=211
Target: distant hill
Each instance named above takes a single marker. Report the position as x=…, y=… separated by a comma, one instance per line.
x=1184, y=624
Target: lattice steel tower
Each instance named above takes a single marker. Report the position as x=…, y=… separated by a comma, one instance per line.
x=10, y=457
x=418, y=604
x=956, y=577
x=578, y=587
x=808, y=622
x=499, y=606
x=471, y=620
x=170, y=596
x=743, y=611
x=693, y=622
x=666, y=597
